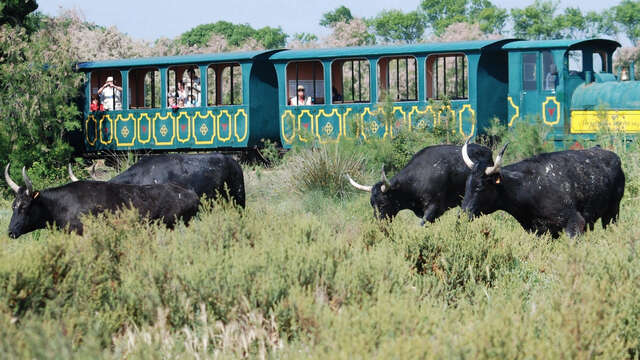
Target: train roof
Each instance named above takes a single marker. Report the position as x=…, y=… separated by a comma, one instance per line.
x=560, y=44
x=360, y=51
x=176, y=60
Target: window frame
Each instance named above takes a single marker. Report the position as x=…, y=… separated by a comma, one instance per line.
x=535, y=72
x=380, y=90
x=154, y=97
x=186, y=67
x=323, y=80
x=367, y=80
x=218, y=84
x=429, y=93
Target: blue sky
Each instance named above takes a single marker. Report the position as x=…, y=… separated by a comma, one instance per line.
x=150, y=20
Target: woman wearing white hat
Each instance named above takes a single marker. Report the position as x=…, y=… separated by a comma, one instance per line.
x=300, y=98
x=110, y=94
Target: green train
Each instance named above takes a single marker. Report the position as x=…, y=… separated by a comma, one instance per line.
x=234, y=100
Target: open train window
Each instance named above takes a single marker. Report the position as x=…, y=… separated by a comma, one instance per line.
x=398, y=78
x=447, y=76
x=550, y=72
x=144, y=88
x=350, y=81
x=600, y=62
x=529, y=71
x=183, y=86
x=224, y=84
x=106, y=89
x=305, y=83
x=574, y=59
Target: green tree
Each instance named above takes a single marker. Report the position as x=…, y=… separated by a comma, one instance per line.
x=394, y=25
x=19, y=13
x=538, y=21
x=341, y=14
x=627, y=16
x=35, y=120
x=442, y=13
x=235, y=34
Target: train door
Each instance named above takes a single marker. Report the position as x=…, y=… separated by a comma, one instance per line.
x=530, y=91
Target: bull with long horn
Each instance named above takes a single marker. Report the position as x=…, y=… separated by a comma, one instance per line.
x=432, y=182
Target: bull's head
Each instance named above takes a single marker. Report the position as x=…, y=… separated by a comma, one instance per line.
x=27, y=211
x=483, y=184
x=383, y=201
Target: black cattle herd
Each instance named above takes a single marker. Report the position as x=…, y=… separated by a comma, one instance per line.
x=547, y=193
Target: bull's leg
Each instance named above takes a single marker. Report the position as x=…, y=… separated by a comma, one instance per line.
x=611, y=216
x=431, y=213
x=575, y=225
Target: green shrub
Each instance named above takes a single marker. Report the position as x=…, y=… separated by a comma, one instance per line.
x=324, y=169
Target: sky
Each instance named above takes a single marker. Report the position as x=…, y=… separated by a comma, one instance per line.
x=149, y=20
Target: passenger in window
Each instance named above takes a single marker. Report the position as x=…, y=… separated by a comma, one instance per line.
x=109, y=94
x=180, y=103
x=335, y=95
x=300, y=99
x=551, y=78
x=182, y=92
x=191, y=101
x=95, y=106
x=172, y=103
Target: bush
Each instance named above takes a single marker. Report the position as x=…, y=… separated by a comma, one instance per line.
x=324, y=170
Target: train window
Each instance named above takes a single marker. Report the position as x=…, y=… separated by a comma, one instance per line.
x=550, y=70
x=529, y=71
x=600, y=61
x=224, y=84
x=448, y=76
x=183, y=86
x=574, y=57
x=108, y=97
x=398, y=78
x=308, y=77
x=350, y=81
x=144, y=88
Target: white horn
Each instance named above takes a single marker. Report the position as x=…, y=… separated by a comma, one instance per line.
x=358, y=186
x=10, y=182
x=385, y=182
x=27, y=181
x=465, y=155
x=496, y=164
x=73, y=177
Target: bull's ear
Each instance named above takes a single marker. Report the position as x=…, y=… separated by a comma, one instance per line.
x=498, y=179
x=35, y=196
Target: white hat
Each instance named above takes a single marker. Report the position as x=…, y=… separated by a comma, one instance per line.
x=300, y=87
x=110, y=78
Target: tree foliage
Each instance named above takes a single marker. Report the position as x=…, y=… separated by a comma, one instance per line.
x=35, y=120
x=235, y=34
x=341, y=14
x=19, y=13
x=627, y=16
x=396, y=26
x=442, y=13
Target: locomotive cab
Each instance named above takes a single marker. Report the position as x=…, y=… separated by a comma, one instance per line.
x=544, y=75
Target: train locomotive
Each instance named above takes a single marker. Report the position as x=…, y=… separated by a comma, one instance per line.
x=232, y=101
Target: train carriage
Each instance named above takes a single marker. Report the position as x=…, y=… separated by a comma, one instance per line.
x=348, y=86
x=234, y=100
x=228, y=101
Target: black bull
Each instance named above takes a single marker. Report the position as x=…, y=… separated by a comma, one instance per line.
x=207, y=174
x=431, y=183
x=551, y=192
x=64, y=205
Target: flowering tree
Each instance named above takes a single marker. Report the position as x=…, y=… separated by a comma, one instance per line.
x=352, y=33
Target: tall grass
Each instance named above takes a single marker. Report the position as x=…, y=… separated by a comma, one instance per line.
x=303, y=273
